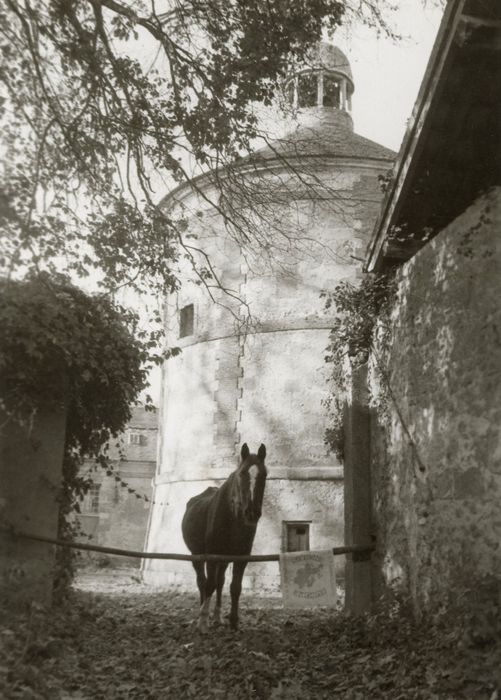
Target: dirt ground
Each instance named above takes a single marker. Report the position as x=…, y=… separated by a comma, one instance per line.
x=116, y=638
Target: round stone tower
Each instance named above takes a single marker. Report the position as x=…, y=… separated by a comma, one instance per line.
x=252, y=365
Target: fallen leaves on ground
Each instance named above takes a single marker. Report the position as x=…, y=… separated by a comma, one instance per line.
x=146, y=645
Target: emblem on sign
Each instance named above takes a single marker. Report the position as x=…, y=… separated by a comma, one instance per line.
x=308, y=579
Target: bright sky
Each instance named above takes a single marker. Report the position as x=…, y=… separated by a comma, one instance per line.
x=388, y=75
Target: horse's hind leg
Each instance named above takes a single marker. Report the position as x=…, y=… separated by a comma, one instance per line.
x=210, y=587
x=199, y=567
x=221, y=569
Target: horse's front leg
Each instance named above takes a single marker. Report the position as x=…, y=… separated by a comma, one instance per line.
x=221, y=569
x=210, y=587
x=235, y=590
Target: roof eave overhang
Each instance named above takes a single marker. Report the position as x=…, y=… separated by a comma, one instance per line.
x=414, y=136
x=416, y=153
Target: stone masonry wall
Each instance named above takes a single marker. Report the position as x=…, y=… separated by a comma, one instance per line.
x=437, y=504
x=121, y=518
x=30, y=476
x=115, y=516
x=253, y=370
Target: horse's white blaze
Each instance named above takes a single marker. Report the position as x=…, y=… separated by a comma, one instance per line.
x=253, y=472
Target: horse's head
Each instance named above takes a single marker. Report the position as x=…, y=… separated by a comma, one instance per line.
x=249, y=483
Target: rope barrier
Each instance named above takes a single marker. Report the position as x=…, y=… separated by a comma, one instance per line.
x=348, y=549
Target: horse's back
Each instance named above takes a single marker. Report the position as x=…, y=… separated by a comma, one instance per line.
x=201, y=498
x=194, y=523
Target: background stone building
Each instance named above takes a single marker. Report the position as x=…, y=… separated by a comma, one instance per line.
x=252, y=366
x=436, y=435
x=111, y=514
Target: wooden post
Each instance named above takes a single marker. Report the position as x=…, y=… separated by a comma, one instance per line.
x=30, y=481
x=357, y=493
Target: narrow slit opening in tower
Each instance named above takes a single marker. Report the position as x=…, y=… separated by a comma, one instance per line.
x=186, y=321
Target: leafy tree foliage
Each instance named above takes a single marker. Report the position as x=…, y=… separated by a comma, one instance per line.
x=102, y=103
x=60, y=346
x=358, y=308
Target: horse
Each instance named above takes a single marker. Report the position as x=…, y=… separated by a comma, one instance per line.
x=223, y=521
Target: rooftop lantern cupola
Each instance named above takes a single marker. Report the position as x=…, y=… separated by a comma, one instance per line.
x=327, y=82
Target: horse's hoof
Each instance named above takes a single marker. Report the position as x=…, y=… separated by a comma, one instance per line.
x=202, y=627
x=216, y=616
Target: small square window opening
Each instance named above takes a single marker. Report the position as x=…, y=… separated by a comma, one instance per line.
x=296, y=536
x=137, y=439
x=186, y=321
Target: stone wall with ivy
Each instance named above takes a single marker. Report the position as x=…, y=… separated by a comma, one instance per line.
x=75, y=356
x=435, y=386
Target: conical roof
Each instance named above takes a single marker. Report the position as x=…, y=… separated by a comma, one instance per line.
x=327, y=133
x=320, y=132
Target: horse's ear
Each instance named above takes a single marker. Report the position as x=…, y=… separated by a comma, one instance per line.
x=244, y=452
x=261, y=453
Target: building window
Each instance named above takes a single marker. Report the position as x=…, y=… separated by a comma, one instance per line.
x=296, y=536
x=91, y=499
x=186, y=321
x=307, y=90
x=137, y=439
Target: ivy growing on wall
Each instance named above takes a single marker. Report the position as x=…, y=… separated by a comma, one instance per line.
x=357, y=310
x=62, y=347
